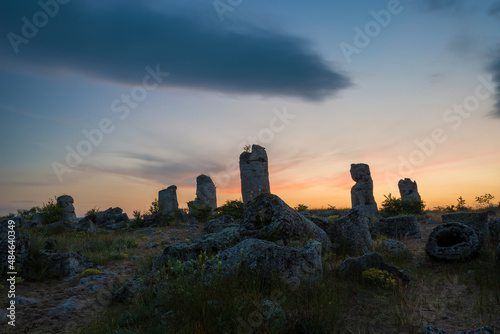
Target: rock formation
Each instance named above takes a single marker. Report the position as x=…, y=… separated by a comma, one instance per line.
x=168, y=200
x=452, y=242
x=476, y=221
x=268, y=217
x=68, y=215
x=362, y=192
x=349, y=233
x=404, y=227
x=254, y=173
x=408, y=189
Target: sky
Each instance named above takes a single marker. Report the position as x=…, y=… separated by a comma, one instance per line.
x=113, y=101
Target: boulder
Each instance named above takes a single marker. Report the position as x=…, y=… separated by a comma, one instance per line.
x=22, y=244
x=86, y=226
x=210, y=243
x=127, y=292
x=68, y=215
x=110, y=217
x=206, y=192
x=394, y=246
x=354, y=267
x=219, y=223
x=68, y=305
x=497, y=255
x=408, y=190
x=254, y=173
x=63, y=264
x=403, y=227
x=494, y=230
x=362, y=192
x=167, y=198
x=476, y=221
x=268, y=217
x=349, y=233
x=153, y=220
x=294, y=266
x=452, y=242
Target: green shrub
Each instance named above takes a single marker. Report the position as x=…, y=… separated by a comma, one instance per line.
x=51, y=210
x=90, y=215
x=138, y=221
x=393, y=206
x=201, y=212
x=89, y=272
x=27, y=214
x=301, y=207
x=377, y=277
x=156, y=208
x=232, y=208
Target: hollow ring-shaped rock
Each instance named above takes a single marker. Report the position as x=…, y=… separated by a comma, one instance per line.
x=452, y=242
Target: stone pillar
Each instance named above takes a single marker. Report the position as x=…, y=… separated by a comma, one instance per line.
x=408, y=189
x=68, y=214
x=254, y=173
x=205, y=191
x=362, y=192
x=167, y=198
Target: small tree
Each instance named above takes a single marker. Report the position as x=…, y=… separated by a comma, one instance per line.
x=393, y=206
x=461, y=206
x=484, y=200
x=301, y=207
x=92, y=213
x=156, y=208
x=51, y=210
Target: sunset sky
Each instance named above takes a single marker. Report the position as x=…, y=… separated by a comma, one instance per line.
x=112, y=101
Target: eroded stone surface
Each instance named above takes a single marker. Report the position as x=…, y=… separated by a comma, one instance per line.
x=362, y=192
x=408, y=189
x=254, y=173
x=452, y=242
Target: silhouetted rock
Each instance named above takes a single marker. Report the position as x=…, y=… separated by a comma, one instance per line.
x=494, y=230
x=349, y=233
x=220, y=223
x=294, y=266
x=68, y=215
x=394, y=246
x=408, y=189
x=497, y=255
x=452, y=242
x=63, y=264
x=354, y=267
x=205, y=191
x=254, y=173
x=167, y=198
x=268, y=217
x=477, y=221
x=210, y=243
x=21, y=241
x=403, y=227
x=362, y=192
x=111, y=217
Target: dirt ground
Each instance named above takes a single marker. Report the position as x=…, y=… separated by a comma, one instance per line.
x=35, y=318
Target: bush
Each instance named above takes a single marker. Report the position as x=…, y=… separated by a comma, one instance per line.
x=138, y=219
x=484, y=200
x=377, y=277
x=90, y=215
x=156, y=208
x=27, y=214
x=393, y=206
x=232, y=208
x=51, y=211
x=200, y=212
x=301, y=207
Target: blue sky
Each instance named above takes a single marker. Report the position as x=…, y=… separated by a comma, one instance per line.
x=168, y=91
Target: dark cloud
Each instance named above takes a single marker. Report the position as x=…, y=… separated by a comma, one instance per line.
x=117, y=40
x=494, y=68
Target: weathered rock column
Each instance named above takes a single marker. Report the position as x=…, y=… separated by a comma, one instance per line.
x=254, y=173
x=408, y=189
x=362, y=192
x=68, y=214
x=205, y=191
x=167, y=198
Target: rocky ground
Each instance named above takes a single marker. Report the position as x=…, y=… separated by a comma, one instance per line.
x=68, y=305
